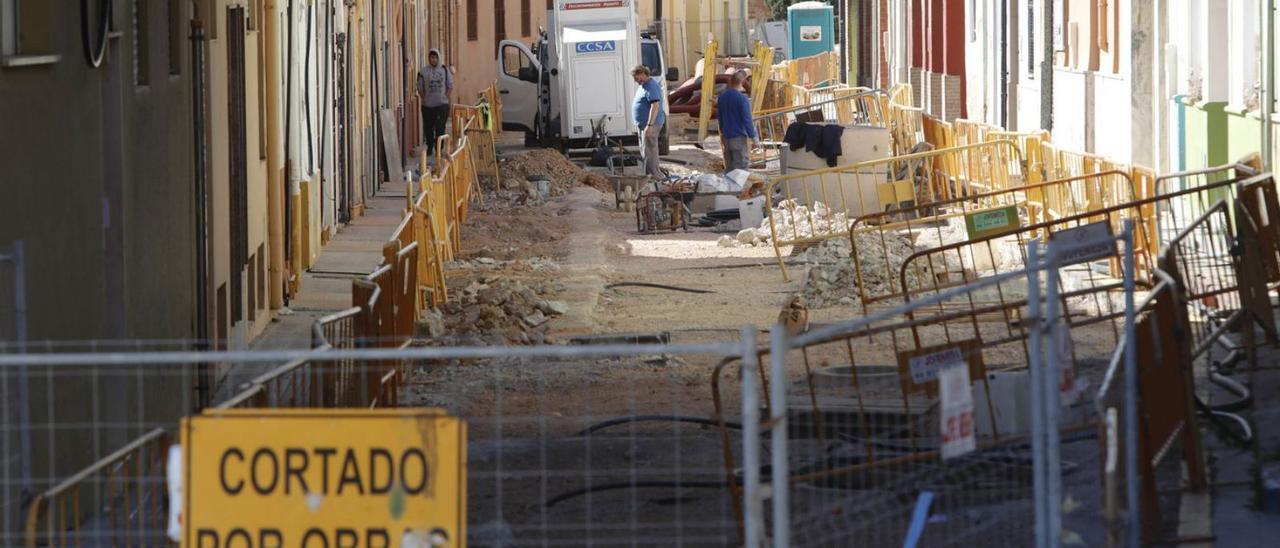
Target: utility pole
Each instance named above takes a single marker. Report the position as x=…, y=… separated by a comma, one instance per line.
x=1268, y=77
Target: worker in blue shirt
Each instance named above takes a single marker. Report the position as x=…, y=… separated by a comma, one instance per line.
x=649, y=117
x=736, y=127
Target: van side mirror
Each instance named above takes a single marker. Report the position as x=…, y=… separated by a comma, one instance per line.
x=673, y=74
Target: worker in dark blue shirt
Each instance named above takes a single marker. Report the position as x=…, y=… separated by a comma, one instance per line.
x=736, y=127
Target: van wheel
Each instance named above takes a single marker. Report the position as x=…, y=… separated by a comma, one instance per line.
x=530, y=139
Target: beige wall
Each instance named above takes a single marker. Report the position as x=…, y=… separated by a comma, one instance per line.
x=477, y=65
x=219, y=184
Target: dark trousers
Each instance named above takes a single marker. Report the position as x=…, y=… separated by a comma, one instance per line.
x=433, y=123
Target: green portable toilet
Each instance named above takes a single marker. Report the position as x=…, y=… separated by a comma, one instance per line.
x=812, y=27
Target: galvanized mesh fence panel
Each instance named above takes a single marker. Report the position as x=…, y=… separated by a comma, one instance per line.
x=865, y=435
x=98, y=433
x=600, y=450
x=568, y=445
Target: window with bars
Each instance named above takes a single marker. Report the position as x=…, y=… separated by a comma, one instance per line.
x=524, y=18
x=472, y=20
x=499, y=22
x=237, y=157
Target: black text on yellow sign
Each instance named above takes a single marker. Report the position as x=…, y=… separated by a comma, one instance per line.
x=326, y=478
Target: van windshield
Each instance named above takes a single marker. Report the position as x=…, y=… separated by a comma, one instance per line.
x=650, y=58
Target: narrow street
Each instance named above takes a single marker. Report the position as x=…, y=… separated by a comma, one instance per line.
x=376, y=273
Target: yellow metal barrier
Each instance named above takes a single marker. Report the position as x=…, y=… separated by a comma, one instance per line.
x=902, y=94
x=124, y=488
x=845, y=105
x=933, y=225
x=708, y=88
x=907, y=125
x=812, y=206
x=760, y=75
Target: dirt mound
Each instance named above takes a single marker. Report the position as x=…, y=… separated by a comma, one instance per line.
x=564, y=175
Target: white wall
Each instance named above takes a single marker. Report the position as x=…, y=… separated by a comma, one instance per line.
x=1112, y=117
x=1070, y=115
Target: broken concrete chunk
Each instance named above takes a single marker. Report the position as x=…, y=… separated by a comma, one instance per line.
x=535, y=319
x=555, y=308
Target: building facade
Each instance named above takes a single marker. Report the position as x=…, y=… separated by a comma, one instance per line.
x=1166, y=84
x=170, y=175
x=478, y=26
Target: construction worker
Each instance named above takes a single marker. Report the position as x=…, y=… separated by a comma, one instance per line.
x=734, y=112
x=649, y=117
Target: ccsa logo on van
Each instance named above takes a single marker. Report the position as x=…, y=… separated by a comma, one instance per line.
x=596, y=47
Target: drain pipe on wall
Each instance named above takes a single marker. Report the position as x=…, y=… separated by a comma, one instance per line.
x=1004, y=63
x=1046, y=70
x=1268, y=71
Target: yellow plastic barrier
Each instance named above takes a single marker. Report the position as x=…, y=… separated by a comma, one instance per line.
x=818, y=205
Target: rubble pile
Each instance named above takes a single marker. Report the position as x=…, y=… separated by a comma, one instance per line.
x=564, y=175
x=532, y=264
x=831, y=279
x=501, y=311
x=793, y=222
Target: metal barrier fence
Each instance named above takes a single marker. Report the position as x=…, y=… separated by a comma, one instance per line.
x=120, y=500
x=847, y=106
x=386, y=304
x=811, y=206
x=568, y=444
x=863, y=453
x=901, y=94
x=907, y=126
x=881, y=243
x=1197, y=323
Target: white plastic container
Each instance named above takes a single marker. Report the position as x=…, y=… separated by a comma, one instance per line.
x=751, y=212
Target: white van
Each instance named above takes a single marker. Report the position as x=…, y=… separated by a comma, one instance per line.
x=576, y=81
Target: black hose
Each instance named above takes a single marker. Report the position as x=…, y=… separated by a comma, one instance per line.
x=655, y=418
x=657, y=286
x=680, y=484
x=94, y=55
x=1243, y=400
x=1244, y=437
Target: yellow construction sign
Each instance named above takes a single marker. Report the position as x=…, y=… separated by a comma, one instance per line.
x=324, y=477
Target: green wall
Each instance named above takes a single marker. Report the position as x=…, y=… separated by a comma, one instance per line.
x=1207, y=135
x=1243, y=135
